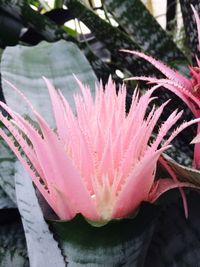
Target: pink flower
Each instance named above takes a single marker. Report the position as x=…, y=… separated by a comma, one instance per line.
x=187, y=89
x=99, y=163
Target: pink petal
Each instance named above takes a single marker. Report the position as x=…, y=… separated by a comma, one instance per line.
x=164, y=185
x=58, y=110
x=137, y=186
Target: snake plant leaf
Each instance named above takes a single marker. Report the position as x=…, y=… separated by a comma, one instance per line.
x=143, y=28
x=13, y=251
x=25, y=66
x=190, y=25
x=10, y=29
x=183, y=173
x=5, y=201
x=42, y=248
x=113, y=38
x=24, y=13
x=118, y=243
x=176, y=240
x=7, y=160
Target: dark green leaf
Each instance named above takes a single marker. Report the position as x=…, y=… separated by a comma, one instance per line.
x=13, y=251
x=141, y=26
x=176, y=241
x=5, y=201
x=20, y=10
x=118, y=243
x=190, y=25
x=7, y=160
x=10, y=29
x=113, y=38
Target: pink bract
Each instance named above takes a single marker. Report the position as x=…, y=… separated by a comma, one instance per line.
x=99, y=163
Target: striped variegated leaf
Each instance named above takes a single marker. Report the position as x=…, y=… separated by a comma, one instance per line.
x=42, y=247
x=118, y=243
x=13, y=251
x=7, y=160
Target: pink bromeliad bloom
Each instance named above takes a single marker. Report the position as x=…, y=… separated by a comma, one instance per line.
x=187, y=89
x=100, y=162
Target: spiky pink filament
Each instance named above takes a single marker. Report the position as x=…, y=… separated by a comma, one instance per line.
x=170, y=73
x=99, y=163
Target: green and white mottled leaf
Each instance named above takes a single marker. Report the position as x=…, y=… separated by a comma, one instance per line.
x=7, y=161
x=142, y=27
x=24, y=67
x=13, y=251
x=113, y=38
x=42, y=248
x=5, y=201
x=118, y=243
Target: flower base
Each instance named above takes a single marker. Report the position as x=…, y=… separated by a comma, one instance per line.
x=119, y=243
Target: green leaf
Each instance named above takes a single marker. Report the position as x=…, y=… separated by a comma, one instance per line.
x=142, y=27
x=113, y=38
x=190, y=26
x=176, y=240
x=21, y=11
x=42, y=248
x=24, y=67
x=13, y=251
x=185, y=174
x=7, y=161
x=10, y=29
x=118, y=243
x=5, y=201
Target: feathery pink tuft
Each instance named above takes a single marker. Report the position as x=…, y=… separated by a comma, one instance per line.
x=99, y=163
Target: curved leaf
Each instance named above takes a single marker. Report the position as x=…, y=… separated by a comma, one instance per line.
x=43, y=249
x=13, y=246
x=183, y=173
x=29, y=17
x=118, y=243
x=25, y=66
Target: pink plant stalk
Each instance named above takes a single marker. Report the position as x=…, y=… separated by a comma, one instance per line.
x=187, y=89
x=99, y=163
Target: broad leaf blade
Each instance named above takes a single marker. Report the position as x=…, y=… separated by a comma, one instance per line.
x=25, y=66
x=43, y=249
